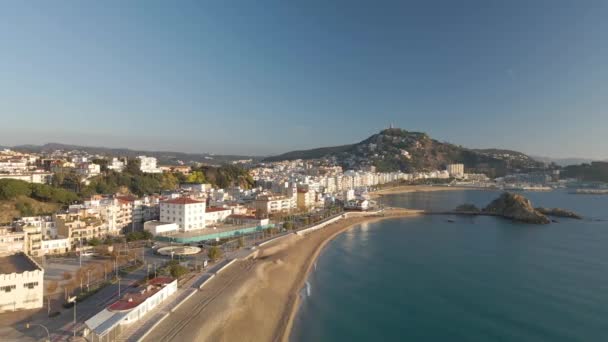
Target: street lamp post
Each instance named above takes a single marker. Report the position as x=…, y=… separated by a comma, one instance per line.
x=73, y=300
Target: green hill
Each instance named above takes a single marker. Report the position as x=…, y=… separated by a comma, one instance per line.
x=397, y=149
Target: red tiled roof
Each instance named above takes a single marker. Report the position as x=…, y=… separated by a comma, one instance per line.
x=183, y=200
x=133, y=299
x=214, y=209
x=160, y=280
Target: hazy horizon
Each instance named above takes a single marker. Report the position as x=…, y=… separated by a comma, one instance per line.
x=261, y=80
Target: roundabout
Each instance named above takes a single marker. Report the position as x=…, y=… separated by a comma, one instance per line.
x=178, y=250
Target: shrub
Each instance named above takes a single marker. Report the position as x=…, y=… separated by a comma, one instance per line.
x=214, y=253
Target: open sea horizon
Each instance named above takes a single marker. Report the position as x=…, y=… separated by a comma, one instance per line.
x=474, y=279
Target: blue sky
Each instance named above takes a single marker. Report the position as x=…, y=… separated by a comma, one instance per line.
x=272, y=76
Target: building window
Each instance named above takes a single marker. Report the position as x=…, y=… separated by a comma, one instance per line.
x=30, y=285
x=7, y=288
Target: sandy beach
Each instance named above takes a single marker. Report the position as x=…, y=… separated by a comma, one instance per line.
x=419, y=188
x=256, y=299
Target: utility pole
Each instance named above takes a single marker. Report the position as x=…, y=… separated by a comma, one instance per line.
x=88, y=279
x=80, y=253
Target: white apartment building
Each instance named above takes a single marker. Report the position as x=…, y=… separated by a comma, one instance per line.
x=187, y=213
x=21, y=283
x=13, y=165
x=56, y=246
x=11, y=242
x=88, y=169
x=268, y=205
x=116, y=165
x=148, y=165
x=456, y=170
x=46, y=224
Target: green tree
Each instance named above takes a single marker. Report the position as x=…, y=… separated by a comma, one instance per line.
x=214, y=253
x=241, y=242
x=12, y=188
x=169, y=181
x=196, y=177
x=133, y=167
x=178, y=271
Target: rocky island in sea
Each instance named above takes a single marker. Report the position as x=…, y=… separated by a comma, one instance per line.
x=517, y=208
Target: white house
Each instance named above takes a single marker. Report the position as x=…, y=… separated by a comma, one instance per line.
x=21, y=283
x=148, y=165
x=187, y=213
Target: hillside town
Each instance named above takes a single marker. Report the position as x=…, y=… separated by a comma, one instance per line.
x=124, y=230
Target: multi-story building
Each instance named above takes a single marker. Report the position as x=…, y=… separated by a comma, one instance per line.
x=80, y=226
x=11, y=241
x=21, y=283
x=44, y=223
x=187, y=213
x=455, y=170
x=14, y=165
x=148, y=165
x=56, y=246
x=267, y=205
x=116, y=165
x=88, y=170
x=33, y=241
x=306, y=199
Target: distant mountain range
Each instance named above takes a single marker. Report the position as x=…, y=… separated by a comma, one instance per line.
x=397, y=149
x=164, y=157
x=566, y=161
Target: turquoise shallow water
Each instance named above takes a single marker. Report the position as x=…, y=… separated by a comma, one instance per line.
x=477, y=279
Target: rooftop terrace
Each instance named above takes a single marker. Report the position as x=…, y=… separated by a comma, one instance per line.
x=16, y=263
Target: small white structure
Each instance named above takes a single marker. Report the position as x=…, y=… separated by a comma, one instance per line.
x=108, y=324
x=357, y=205
x=148, y=165
x=160, y=228
x=216, y=214
x=56, y=246
x=116, y=165
x=21, y=283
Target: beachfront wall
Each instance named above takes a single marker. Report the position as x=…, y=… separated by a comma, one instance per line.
x=213, y=236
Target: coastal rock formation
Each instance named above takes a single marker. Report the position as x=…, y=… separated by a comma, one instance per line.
x=467, y=208
x=516, y=207
x=558, y=212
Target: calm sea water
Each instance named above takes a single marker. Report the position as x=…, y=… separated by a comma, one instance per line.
x=477, y=279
